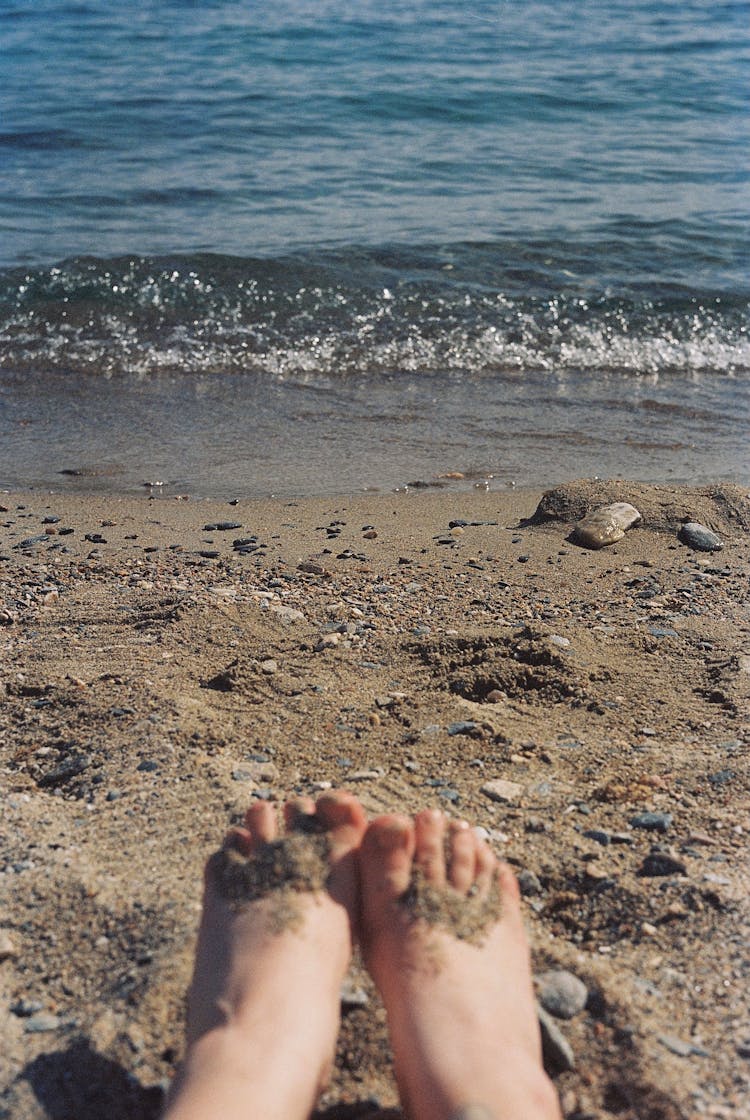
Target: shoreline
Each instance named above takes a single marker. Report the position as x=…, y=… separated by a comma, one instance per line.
x=156, y=676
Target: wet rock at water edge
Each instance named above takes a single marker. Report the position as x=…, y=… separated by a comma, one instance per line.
x=606, y=525
x=697, y=536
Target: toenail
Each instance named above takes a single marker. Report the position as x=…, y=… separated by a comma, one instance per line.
x=392, y=836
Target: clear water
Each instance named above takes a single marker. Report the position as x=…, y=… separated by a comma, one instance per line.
x=321, y=246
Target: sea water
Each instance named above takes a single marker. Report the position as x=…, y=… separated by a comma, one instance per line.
x=310, y=247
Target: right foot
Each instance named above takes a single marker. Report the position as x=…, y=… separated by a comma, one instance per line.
x=461, y=1013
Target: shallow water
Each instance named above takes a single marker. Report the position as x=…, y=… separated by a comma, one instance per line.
x=303, y=250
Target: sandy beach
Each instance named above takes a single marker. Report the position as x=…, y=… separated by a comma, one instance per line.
x=164, y=661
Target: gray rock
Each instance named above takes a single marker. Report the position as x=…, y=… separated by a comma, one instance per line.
x=556, y=1050
x=529, y=883
x=697, y=536
x=652, y=822
x=561, y=993
x=659, y=863
x=682, y=1048
x=462, y=727
x=44, y=1021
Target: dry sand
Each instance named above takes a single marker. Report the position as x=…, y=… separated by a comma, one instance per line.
x=550, y=694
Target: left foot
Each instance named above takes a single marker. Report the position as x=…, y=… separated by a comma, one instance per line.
x=263, y=1011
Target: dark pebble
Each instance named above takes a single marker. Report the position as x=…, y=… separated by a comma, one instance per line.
x=599, y=835
x=221, y=526
x=697, y=536
x=721, y=778
x=147, y=765
x=652, y=822
x=659, y=863
x=462, y=727
x=208, y=553
x=95, y=538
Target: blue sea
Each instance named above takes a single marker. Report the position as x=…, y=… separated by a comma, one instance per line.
x=309, y=248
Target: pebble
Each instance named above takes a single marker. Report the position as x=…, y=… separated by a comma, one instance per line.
x=680, y=1047
x=659, y=863
x=287, y=614
x=462, y=727
x=148, y=765
x=529, y=883
x=606, y=525
x=269, y=667
x=44, y=1021
x=559, y=641
x=311, y=568
x=652, y=822
x=562, y=993
x=557, y=1051
x=8, y=949
x=697, y=536
x=353, y=995
x=502, y=791
x=221, y=526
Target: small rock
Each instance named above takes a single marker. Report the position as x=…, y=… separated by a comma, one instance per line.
x=562, y=993
x=311, y=568
x=495, y=696
x=44, y=1021
x=680, y=1047
x=23, y=1008
x=606, y=525
x=221, y=526
x=652, y=822
x=556, y=1050
x=328, y=641
x=697, y=536
x=8, y=949
x=559, y=641
x=269, y=667
x=287, y=614
x=504, y=792
x=529, y=883
x=462, y=727
x=659, y=863
x=353, y=995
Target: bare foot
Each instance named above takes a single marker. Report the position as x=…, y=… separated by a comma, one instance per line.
x=461, y=1013
x=263, y=1009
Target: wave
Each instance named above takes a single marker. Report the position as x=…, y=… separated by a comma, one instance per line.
x=500, y=308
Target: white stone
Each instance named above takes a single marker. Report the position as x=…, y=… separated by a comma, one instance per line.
x=507, y=793
x=606, y=525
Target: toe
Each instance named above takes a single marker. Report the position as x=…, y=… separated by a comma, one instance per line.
x=299, y=813
x=260, y=823
x=385, y=860
x=462, y=845
x=342, y=816
x=486, y=868
x=430, y=852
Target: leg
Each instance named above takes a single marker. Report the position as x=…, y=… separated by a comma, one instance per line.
x=461, y=1011
x=264, y=1002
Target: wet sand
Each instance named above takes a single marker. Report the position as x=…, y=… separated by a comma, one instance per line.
x=587, y=709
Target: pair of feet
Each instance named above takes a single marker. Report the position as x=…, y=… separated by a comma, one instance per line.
x=264, y=1003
